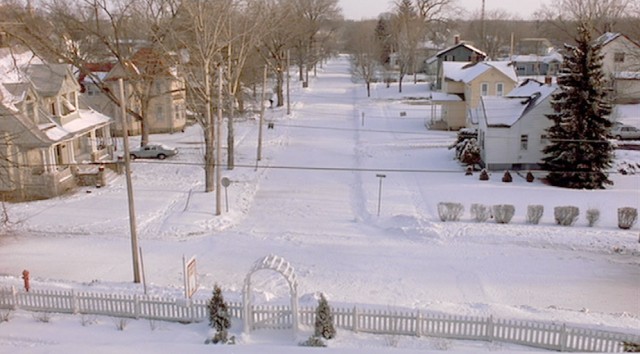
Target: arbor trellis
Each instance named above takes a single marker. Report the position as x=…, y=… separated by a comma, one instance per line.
x=580, y=153
x=279, y=265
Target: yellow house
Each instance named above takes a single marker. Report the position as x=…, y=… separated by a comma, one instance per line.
x=463, y=84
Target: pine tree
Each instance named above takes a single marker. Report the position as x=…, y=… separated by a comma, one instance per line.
x=324, y=320
x=579, y=153
x=219, y=318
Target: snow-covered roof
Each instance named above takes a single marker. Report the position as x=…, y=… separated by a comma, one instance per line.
x=88, y=119
x=628, y=75
x=462, y=44
x=531, y=87
x=607, y=37
x=468, y=71
x=445, y=97
x=506, y=111
x=531, y=58
x=48, y=79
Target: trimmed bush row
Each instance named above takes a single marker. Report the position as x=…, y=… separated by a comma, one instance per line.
x=503, y=213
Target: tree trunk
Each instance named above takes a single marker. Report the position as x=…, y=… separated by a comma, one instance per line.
x=368, y=88
x=279, y=82
x=230, y=137
x=209, y=140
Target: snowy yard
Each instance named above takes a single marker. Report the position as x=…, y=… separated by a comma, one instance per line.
x=314, y=200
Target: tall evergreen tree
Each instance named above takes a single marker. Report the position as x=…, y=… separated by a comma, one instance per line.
x=579, y=153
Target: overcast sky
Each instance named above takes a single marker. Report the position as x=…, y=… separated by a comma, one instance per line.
x=358, y=9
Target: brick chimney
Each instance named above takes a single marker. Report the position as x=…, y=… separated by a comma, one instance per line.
x=456, y=39
x=548, y=80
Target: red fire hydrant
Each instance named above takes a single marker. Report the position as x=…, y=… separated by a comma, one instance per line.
x=25, y=277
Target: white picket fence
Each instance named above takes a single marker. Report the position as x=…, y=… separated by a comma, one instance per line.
x=549, y=336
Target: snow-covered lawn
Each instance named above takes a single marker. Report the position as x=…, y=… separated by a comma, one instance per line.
x=314, y=200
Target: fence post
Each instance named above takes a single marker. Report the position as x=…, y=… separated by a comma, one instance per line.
x=418, y=324
x=74, y=302
x=564, y=338
x=355, y=319
x=136, y=306
x=14, y=297
x=490, y=329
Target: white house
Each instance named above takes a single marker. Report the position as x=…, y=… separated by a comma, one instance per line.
x=49, y=143
x=621, y=65
x=511, y=130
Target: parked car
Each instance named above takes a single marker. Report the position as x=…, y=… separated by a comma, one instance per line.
x=625, y=132
x=153, y=151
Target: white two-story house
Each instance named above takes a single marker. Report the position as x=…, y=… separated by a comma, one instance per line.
x=48, y=141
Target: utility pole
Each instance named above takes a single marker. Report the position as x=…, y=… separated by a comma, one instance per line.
x=219, y=146
x=482, y=32
x=288, y=83
x=264, y=87
x=127, y=165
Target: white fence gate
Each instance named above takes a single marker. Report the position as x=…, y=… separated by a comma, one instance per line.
x=528, y=333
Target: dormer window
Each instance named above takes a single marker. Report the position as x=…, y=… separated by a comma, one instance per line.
x=67, y=106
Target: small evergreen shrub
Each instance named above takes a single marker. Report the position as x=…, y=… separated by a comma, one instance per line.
x=313, y=341
x=324, y=320
x=507, y=177
x=530, y=177
x=469, y=171
x=450, y=211
x=630, y=347
x=484, y=175
x=566, y=215
x=503, y=213
x=534, y=214
x=627, y=217
x=480, y=212
x=593, y=215
x=219, y=318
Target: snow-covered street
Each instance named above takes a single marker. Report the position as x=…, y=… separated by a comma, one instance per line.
x=314, y=199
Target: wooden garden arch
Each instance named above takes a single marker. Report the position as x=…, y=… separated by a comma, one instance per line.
x=279, y=265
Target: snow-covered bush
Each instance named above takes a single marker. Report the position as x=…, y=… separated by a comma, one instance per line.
x=313, y=341
x=324, y=320
x=503, y=213
x=480, y=212
x=507, y=177
x=534, y=214
x=450, y=211
x=627, y=217
x=566, y=215
x=469, y=171
x=5, y=316
x=470, y=154
x=593, y=215
x=219, y=318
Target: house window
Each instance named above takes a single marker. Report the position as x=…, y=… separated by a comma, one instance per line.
x=484, y=88
x=544, y=139
x=499, y=89
x=159, y=113
x=618, y=57
x=524, y=142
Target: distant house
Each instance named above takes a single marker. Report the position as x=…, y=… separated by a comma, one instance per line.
x=621, y=65
x=463, y=84
x=534, y=46
x=161, y=93
x=459, y=52
x=511, y=130
x=49, y=143
x=536, y=65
